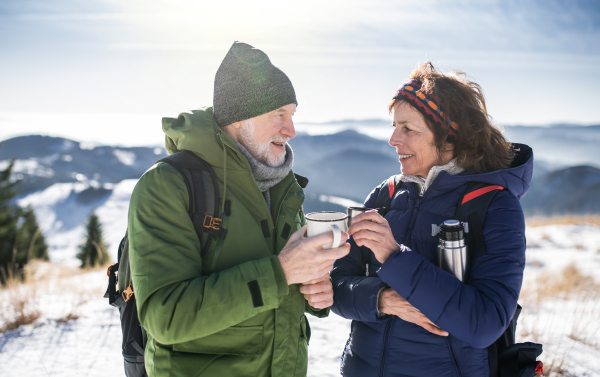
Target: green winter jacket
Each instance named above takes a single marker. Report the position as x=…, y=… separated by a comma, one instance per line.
x=198, y=311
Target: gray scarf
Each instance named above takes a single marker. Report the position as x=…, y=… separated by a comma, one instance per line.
x=267, y=176
x=451, y=167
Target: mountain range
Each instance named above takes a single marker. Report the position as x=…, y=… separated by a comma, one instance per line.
x=64, y=180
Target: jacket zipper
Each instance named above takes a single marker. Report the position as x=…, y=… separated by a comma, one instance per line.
x=277, y=214
x=385, y=345
x=454, y=361
x=412, y=222
x=416, y=211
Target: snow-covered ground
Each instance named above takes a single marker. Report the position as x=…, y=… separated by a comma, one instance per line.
x=561, y=307
x=62, y=218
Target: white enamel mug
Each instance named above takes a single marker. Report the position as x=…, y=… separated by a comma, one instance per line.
x=323, y=222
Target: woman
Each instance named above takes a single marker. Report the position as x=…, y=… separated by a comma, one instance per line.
x=409, y=317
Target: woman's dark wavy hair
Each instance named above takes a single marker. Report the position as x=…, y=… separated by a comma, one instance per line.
x=479, y=145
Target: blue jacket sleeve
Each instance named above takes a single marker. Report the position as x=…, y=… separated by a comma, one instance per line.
x=479, y=311
x=354, y=293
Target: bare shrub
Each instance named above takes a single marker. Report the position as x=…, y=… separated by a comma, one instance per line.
x=570, y=282
x=555, y=368
x=562, y=220
x=581, y=295
x=68, y=317
x=18, y=301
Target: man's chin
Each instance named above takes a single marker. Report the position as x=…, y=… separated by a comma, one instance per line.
x=276, y=160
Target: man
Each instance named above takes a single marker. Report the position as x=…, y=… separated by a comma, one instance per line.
x=237, y=310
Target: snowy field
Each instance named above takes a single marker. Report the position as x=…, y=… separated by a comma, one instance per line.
x=78, y=334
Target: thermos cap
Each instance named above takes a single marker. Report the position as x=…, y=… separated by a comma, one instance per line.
x=452, y=223
x=452, y=230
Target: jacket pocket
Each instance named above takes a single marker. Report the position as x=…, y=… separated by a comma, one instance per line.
x=243, y=341
x=235, y=351
x=302, y=360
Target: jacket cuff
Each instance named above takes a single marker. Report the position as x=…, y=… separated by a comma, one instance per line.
x=380, y=314
x=319, y=313
x=282, y=285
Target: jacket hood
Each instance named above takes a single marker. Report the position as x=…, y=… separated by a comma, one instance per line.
x=197, y=131
x=516, y=178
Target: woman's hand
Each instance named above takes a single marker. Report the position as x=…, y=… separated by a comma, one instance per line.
x=392, y=303
x=370, y=229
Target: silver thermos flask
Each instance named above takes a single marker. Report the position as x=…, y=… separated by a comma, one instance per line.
x=452, y=251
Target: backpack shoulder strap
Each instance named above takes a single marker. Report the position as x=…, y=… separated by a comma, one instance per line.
x=202, y=188
x=386, y=194
x=472, y=209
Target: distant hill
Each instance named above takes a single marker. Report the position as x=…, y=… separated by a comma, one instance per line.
x=43, y=161
x=574, y=190
x=347, y=165
x=561, y=145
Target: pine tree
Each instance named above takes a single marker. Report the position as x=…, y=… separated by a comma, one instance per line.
x=21, y=239
x=9, y=216
x=93, y=251
x=30, y=242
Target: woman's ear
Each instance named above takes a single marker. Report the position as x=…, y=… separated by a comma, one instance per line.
x=448, y=153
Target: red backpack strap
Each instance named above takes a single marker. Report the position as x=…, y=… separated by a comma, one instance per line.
x=472, y=208
x=484, y=190
x=392, y=186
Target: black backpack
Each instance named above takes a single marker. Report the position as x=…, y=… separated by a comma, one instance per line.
x=506, y=358
x=203, y=211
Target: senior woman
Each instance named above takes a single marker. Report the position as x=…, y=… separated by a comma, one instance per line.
x=410, y=317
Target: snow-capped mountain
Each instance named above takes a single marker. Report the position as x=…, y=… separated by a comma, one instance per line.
x=65, y=181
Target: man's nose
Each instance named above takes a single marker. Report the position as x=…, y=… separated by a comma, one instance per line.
x=288, y=129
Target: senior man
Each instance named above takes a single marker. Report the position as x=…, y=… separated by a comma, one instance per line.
x=237, y=309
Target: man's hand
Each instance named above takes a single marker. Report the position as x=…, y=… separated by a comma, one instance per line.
x=319, y=294
x=390, y=302
x=372, y=230
x=304, y=260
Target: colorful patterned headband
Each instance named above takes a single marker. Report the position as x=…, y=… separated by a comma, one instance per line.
x=427, y=105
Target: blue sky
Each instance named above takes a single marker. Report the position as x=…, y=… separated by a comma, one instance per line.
x=120, y=65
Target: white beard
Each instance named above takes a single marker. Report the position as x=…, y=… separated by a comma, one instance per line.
x=261, y=152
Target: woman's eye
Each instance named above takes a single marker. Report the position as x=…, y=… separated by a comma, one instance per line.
x=407, y=129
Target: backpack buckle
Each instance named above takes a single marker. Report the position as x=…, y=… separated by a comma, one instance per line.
x=127, y=293
x=212, y=222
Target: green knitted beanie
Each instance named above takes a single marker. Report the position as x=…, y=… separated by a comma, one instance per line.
x=247, y=84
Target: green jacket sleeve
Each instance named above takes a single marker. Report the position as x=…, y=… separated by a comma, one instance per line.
x=175, y=302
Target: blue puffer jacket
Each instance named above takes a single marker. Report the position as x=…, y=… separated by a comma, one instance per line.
x=475, y=314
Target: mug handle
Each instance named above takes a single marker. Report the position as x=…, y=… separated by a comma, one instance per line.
x=337, y=237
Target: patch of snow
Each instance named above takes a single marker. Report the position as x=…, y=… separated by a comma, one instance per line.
x=30, y=167
x=62, y=218
x=126, y=157
x=67, y=145
x=88, y=145
x=49, y=160
x=88, y=346
x=340, y=201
